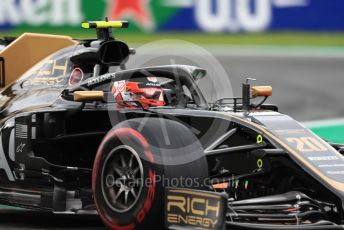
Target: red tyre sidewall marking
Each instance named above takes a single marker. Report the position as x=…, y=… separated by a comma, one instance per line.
x=126, y=132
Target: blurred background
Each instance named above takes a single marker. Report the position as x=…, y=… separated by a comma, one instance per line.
x=297, y=46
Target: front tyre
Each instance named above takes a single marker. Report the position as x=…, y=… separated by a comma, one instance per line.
x=133, y=164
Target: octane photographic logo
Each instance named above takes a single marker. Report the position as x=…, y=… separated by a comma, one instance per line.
x=214, y=85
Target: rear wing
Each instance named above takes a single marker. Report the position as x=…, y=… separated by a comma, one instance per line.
x=27, y=50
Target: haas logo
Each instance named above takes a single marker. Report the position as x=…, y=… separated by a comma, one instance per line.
x=118, y=87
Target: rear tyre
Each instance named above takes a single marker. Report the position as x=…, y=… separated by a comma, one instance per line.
x=135, y=162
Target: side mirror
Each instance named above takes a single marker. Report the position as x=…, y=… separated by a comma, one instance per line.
x=88, y=96
x=113, y=53
x=261, y=91
x=88, y=56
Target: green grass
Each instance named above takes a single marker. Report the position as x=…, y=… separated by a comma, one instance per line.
x=333, y=133
x=330, y=129
x=276, y=39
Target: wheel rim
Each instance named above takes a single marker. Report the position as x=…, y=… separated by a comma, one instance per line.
x=122, y=178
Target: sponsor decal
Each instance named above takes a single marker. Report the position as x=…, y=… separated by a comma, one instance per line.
x=40, y=12
x=152, y=79
x=290, y=131
x=21, y=131
x=317, y=152
x=76, y=76
x=48, y=81
x=307, y=144
x=331, y=165
x=195, y=209
x=137, y=10
x=177, y=15
x=99, y=80
x=49, y=73
x=20, y=148
x=234, y=15
x=308, y=150
x=52, y=68
x=150, y=84
x=324, y=158
x=118, y=87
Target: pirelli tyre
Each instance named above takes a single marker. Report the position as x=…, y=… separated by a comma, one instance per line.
x=134, y=163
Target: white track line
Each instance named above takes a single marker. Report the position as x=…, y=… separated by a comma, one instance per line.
x=276, y=51
x=254, y=51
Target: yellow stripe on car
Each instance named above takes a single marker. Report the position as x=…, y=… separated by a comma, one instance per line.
x=104, y=24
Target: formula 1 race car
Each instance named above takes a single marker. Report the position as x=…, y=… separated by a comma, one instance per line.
x=81, y=133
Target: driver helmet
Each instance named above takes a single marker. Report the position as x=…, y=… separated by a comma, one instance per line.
x=147, y=92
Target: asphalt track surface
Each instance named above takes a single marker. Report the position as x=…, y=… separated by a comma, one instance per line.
x=29, y=220
x=307, y=86
x=307, y=82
